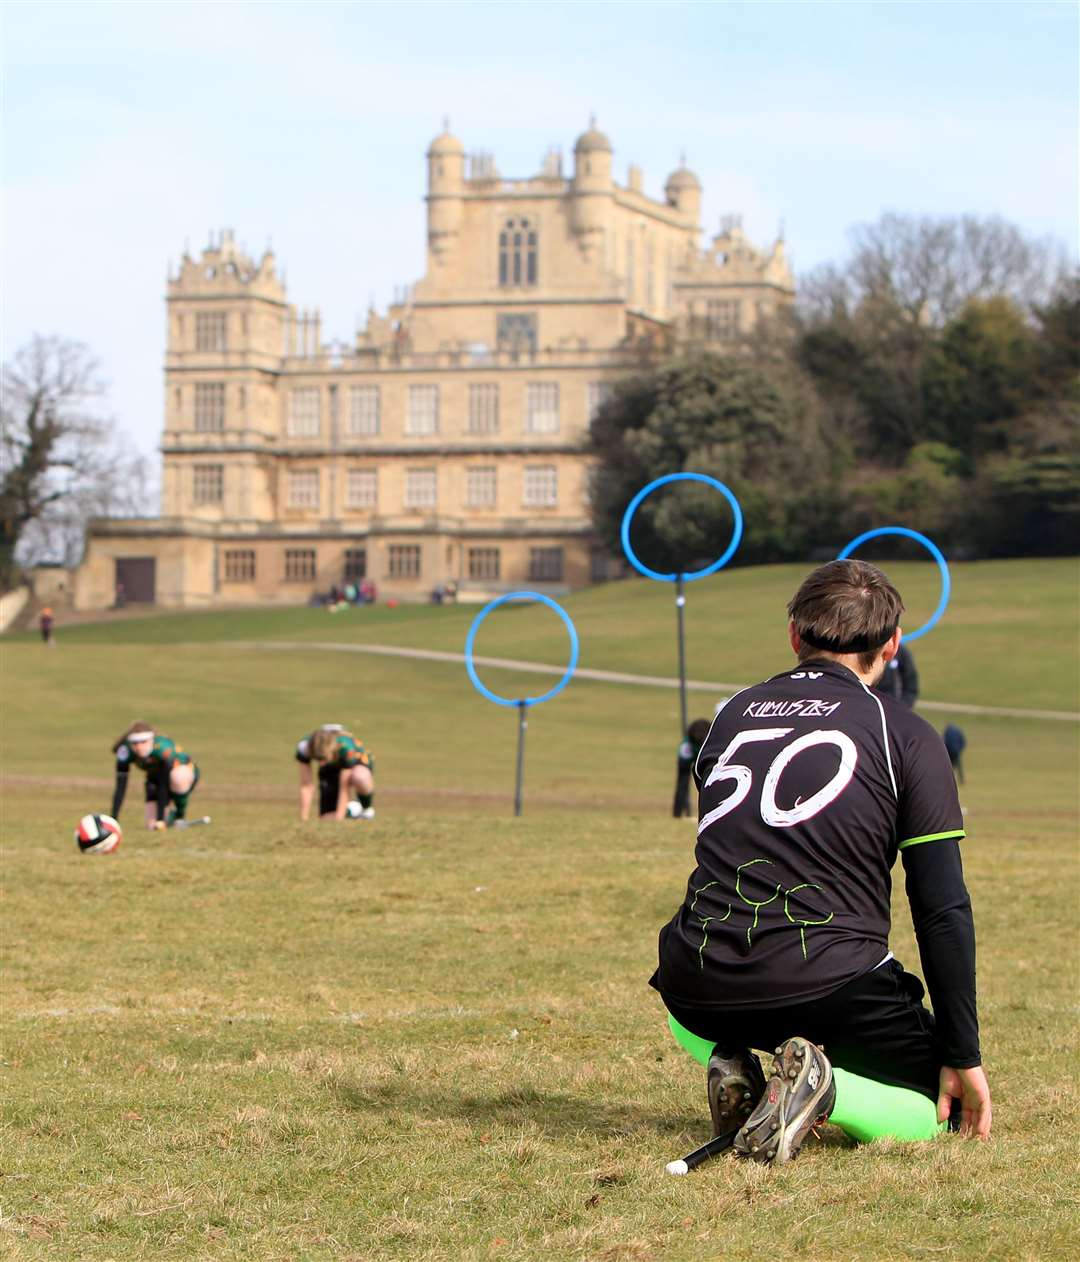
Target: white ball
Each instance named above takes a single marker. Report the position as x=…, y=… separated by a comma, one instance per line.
x=677, y=1167
x=354, y=810
x=97, y=834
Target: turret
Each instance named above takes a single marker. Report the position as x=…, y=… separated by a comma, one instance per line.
x=683, y=191
x=592, y=190
x=446, y=188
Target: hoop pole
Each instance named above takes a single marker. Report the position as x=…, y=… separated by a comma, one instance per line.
x=680, y=606
x=522, y=725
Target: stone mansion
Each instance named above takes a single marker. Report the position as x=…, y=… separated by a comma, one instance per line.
x=450, y=441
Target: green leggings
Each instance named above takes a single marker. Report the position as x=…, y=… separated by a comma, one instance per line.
x=180, y=800
x=864, y=1109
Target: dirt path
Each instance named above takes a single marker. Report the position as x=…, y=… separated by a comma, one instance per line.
x=716, y=687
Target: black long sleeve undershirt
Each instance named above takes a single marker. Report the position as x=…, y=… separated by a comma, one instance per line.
x=160, y=780
x=119, y=791
x=941, y=914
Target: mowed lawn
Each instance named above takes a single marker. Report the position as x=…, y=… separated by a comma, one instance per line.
x=430, y=1036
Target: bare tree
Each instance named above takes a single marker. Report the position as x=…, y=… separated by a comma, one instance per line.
x=870, y=325
x=116, y=485
x=60, y=460
x=925, y=269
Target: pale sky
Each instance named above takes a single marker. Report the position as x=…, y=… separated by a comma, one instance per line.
x=132, y=129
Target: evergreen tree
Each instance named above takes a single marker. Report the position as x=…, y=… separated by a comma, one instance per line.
x=753, y=427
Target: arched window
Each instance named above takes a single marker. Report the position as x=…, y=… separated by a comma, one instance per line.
x=517, y=253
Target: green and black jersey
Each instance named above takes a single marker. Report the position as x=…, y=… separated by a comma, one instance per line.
x=163, y=756
x=810, y=786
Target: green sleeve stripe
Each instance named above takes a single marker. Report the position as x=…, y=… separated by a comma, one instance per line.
x=917, y=841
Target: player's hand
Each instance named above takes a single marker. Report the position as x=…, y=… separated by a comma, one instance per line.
x=159, y=825
x=970, y=1087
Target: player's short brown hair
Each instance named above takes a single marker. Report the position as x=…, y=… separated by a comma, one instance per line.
x=845, y=607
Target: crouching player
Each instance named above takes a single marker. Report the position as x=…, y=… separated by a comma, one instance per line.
x=810, y=784
x=171, y=775
x=345, y=768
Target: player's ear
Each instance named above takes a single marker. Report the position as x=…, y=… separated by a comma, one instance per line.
x=891, y=646
x=793, y=636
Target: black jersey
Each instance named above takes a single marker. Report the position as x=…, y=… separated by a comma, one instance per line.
x=810, y=783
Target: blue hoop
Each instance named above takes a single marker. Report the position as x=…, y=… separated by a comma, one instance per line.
x=935, y=552
x=632, y=507
x=470, y=638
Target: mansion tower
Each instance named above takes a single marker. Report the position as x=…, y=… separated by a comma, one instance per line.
x=449, y=441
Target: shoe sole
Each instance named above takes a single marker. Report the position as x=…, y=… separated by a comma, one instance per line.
x=770, y=1134
x=732, y=1097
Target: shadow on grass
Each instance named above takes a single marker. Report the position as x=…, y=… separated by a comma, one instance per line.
x=554, y=1112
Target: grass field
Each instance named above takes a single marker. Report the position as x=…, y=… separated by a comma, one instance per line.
x=429, y=1037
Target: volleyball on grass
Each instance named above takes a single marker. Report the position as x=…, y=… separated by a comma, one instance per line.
x=97, y=834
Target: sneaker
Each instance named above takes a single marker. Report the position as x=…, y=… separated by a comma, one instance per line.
x=800, y=1093
x=735, y=1084
x=368, y=812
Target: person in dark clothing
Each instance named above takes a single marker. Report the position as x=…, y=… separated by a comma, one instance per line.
x=45, y=623
x=810, y=786
x=684, y=765
x=900, y=679
x=955, y=744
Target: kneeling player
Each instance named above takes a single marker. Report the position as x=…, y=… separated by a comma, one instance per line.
x=810, y=784
x=171, y=775
x=345, y=768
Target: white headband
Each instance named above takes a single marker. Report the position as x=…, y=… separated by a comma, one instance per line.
x=140, y=736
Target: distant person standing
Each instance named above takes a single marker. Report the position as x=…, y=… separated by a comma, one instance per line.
x=955, y=743
x=45, y=622
x=900, y=679
x=684, y=765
